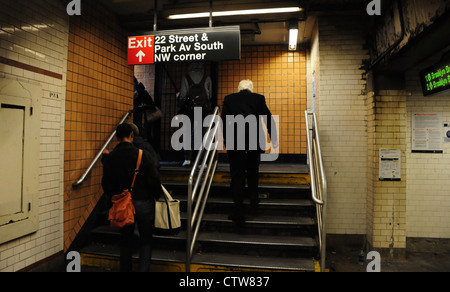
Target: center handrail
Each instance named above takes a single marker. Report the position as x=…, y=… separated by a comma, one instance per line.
x=82, y=179
x=319, y=186
x=199, y=192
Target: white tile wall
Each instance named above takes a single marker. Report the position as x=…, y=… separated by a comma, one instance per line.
x=428, y=186
x=387, y=200
x=360, y=204
x=342, y=114
x=36, y=33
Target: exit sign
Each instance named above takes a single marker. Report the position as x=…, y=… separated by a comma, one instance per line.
x=141, y=50
x=436, y=78
x=186, y=45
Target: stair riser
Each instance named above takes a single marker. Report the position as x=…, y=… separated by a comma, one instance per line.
x=262, y=211
x=224, y=177
x=258, y=251
x=257, y=229
x=228, y=227
x=264, y=192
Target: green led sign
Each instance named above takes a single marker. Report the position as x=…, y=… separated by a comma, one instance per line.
x=436, y=78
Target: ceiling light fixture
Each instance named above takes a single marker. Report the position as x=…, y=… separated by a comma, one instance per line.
x=237, y=12
x=293, y=36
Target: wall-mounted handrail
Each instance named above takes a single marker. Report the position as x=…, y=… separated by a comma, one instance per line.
x=319, y=186
x=89, y=169
x=199, y=185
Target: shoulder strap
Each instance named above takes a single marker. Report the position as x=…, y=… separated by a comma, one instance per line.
x=189, y=80
x=204, y=79
x=167, y=196
x=192, y=83
x=138, y=165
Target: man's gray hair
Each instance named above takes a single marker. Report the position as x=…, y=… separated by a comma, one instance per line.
x=245, y=85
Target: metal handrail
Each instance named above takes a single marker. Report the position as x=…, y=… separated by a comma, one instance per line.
x=200, y=193
x=319, y=186
x=89, y=169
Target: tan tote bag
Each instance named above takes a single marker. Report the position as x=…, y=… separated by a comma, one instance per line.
x=167, y=215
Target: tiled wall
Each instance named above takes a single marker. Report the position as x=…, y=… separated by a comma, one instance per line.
x=33, y=50
x=146, y=75
x=355, y=125
x=278, y=74
x=99, y=93
x=342, y=115
x=387, y=199
x=281, y=77
x=428, y=201
x=416, y=207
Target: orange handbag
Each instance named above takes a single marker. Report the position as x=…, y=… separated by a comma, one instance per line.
x=122, y=212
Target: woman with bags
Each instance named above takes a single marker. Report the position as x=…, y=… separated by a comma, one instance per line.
x=122, y=171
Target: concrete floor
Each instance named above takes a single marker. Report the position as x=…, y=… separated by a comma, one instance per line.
x=347, y=261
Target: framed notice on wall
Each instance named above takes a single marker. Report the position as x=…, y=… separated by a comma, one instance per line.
x=390, y=165
x=427, y=131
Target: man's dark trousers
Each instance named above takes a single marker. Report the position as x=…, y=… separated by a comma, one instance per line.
x=244, y=166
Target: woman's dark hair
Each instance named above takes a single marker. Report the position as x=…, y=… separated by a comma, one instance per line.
x=123, y=131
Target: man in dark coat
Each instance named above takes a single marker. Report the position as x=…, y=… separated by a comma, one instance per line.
x=245, y=141
x=118, y=171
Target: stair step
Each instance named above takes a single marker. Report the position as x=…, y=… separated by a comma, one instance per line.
x=113, y=251
x=263, y=220
x=247, y=239
x=270, y=168
x=263, y=186
x=256, y=239
x=251, y=262
x=107, y=230
x=269, y=174
x=294, y=203
x=94, y=255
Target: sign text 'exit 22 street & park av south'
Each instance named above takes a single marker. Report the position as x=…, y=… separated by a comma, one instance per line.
x=199, y=45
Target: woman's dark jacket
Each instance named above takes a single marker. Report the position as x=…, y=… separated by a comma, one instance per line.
x=118, y=172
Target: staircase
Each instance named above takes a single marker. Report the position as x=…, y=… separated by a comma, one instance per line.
x=281, y=235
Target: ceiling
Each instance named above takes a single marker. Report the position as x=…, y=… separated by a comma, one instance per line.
x=138, y=16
